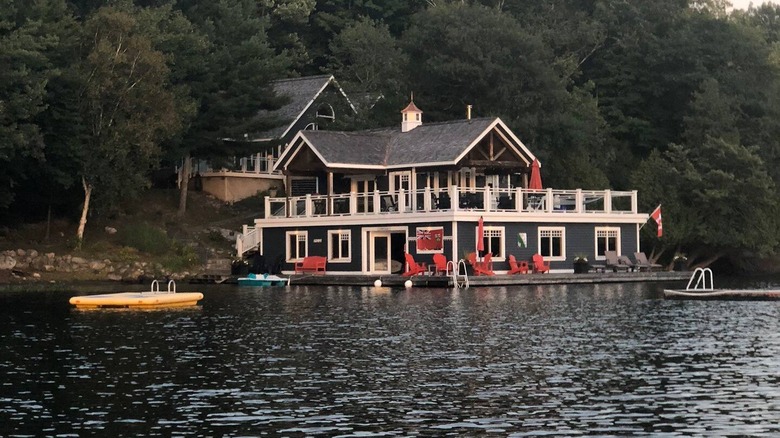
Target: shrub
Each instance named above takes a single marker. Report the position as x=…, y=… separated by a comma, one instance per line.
x=146, y=238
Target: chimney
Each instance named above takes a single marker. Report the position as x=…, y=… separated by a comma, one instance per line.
x=468, y=112
x=411, y=117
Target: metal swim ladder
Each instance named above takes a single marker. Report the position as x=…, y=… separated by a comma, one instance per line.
x=458, y=280
x=703, y=277
x=155, y=288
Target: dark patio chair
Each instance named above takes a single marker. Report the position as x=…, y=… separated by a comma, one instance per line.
x=388, y=204
x=643, y=263
x=445, y=203
x=613, y=262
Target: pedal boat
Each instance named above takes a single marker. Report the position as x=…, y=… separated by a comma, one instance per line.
x=263, y=280
x=139, y=300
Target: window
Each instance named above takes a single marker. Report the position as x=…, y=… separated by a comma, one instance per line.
x=552, y=243
x=297, y=245
x=607, y=239
x=494, y=242
x=339, y=244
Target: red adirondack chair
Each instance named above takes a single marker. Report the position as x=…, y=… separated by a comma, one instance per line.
x=540, y=266
x=414, y=267
x=515, y=267
x=485, y=267
x=441, y=263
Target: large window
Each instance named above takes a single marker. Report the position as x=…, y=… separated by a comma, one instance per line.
x=607, y=239
x=297, y=246
x=552, y=243
x=339, y=244
x=494, y=242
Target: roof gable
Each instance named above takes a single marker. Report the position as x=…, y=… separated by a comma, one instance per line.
x=432, y=144
x=301, y=94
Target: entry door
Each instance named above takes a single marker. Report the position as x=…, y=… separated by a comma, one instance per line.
x=379, y=253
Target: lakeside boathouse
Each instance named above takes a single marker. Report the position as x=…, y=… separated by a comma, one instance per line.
x=363, y=199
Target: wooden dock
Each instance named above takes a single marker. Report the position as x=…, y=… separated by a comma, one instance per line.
x=488, y=281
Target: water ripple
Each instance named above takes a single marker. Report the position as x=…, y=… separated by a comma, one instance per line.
x=609, y=360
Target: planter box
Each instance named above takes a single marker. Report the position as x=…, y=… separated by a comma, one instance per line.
x=581, y=268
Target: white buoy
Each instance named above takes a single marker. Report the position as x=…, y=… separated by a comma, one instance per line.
x=378, y=283
x=408, y=284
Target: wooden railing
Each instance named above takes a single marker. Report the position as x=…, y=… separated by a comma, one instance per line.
x=454, y=198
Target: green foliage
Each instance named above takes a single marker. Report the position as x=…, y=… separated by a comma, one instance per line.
x=182, y=258
x=146, y=239
x=672, y=97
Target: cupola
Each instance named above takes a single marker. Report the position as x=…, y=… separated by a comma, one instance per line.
x=411, y=117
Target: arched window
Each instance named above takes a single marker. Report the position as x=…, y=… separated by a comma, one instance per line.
x=325, y=111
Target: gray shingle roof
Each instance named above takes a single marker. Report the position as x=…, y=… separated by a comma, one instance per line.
x=428, y=143
x=299, y=92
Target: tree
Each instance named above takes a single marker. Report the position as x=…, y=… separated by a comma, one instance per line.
x=127, y=107
x=233, y=84
x=365, y=58
x=26, y=45
x=459, y=58
x=717, y=194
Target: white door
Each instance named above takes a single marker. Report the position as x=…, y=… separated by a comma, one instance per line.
x=379, y=252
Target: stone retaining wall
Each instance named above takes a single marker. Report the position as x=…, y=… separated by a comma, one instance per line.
x=32, y=263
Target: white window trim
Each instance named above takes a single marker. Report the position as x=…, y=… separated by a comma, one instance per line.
x=340, y=233
x=562, y=257
x=502, y=231
x=619, y=242
x=428, y=251
x=287, y=236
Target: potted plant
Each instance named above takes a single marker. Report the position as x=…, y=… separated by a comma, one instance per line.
x=680, y=262
x=581, y=264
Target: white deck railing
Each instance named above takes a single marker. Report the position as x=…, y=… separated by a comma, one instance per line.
x=247, y=240
x=454, y=199
x=253, y=164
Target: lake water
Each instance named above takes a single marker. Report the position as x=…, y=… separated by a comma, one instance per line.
x=612, y=359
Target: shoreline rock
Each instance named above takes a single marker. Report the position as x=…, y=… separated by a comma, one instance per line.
x=29, y=265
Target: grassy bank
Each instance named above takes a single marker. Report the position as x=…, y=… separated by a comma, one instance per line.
x=143, y=230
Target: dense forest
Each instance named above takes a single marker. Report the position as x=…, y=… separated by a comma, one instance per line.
x=679, y=99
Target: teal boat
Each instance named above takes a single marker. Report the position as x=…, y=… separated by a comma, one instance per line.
x=263, y=280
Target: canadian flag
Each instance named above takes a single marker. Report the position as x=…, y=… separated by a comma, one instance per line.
x=656, y=216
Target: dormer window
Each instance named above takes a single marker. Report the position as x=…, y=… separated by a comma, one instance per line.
x=311, y=127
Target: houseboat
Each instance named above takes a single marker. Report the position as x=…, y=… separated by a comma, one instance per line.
x=425, y=189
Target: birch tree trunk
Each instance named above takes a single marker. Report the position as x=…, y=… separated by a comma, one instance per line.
x=185, y=182
x=83, y=220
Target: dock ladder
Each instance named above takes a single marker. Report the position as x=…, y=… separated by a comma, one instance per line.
x=458, y=280
x=703, y=280
x=155, y=288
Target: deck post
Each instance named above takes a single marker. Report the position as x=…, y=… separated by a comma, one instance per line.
x=607, y=201
x=267, y=205
x=634, y=202
x=377, y=205
x=353, y=203
x=519, y=199
x=309, y=210
x=401, y=200
x=427, y=199
x=549, y=201
x=454, y=198
x=578, y=201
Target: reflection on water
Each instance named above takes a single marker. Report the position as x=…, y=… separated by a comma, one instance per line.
x=587, y=359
